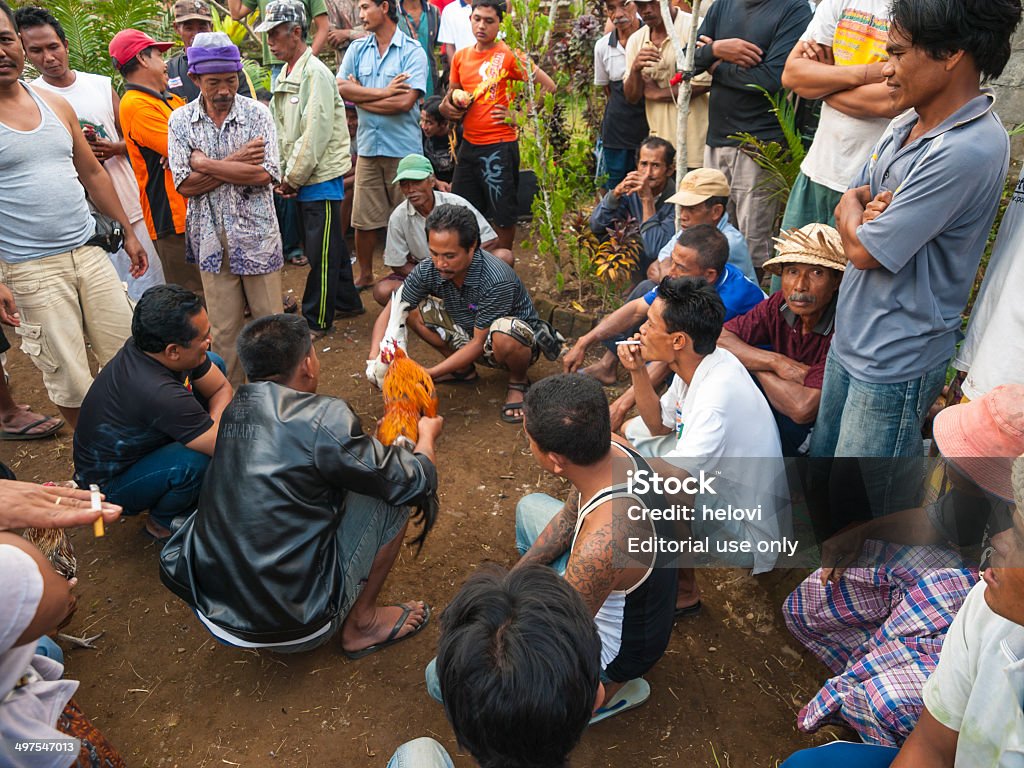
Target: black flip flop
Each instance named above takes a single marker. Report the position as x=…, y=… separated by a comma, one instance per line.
x=24, y=434
x=688, y=611
x=392, y=639
x=459, y=377
x=508, y=408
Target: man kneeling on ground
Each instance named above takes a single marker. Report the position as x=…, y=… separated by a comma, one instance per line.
x=148, y=424
x=796, y=325
x=302, y=515
x=471, y=307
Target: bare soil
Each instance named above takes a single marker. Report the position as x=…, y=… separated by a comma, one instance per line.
x=166, y=694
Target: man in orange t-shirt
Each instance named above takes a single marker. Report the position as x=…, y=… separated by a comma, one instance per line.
x=487, y=166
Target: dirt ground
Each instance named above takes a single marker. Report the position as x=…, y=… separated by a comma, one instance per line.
x=166, y=694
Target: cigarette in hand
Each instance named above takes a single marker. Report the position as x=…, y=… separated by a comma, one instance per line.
x=97, y=524
x=628, y=343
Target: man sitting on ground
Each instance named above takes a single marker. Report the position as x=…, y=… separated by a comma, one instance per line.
x=699, y=251
x=796, y=326
x=712, y=418
x=972, y=714
x=471, y=307
x=643, y=195
x=519, y=664
x=302, y=514
x=149, y=421
x=406, y=244
x=703, y=197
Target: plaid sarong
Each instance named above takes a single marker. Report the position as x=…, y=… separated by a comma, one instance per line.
x=880, y=631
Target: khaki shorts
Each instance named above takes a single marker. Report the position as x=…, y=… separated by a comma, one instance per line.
x=436, y=317
x=375, y=196
x=62, y=299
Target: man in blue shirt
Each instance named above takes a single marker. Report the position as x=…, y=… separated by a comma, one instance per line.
x=643, y=195
x=914, y=224
x=384, y=74
x=700, y=251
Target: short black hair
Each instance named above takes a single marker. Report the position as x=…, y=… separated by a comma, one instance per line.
x=392, y=8
x=711, y=245
x=519, y=663
x=692, y=306
x=714, y=200
x=5, y=9
x=980, y=28
x=432, y=108
x=30, y=16
x=163, y=316
x=133, y=63
x=270, y=348
x=458, y=219
x=568, y=414
x=656, y=142
x=498, y=6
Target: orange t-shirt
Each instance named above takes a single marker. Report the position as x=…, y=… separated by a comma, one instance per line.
x=494, y=68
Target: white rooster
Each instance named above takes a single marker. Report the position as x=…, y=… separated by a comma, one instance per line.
x=395, y=337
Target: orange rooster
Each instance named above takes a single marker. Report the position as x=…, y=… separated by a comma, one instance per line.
x=408, y=395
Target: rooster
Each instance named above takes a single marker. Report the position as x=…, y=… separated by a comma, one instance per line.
x=395, y=337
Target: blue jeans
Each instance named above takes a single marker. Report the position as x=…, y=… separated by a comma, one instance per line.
x=873, y=431
x=166, y=482
x=423, y=752
x=840, y=754
x=615, y=163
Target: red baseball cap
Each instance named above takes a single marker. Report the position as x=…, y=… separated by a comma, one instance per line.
x=129, y=43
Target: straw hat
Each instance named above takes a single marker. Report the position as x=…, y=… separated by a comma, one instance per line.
x=817, y=244
x=1018, y=485
x=983, y=437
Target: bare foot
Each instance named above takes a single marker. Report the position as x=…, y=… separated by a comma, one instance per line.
x=604, y=370
x=381, y=625
x=364, y=281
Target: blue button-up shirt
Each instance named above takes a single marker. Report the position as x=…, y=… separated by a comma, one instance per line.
x=387, y=135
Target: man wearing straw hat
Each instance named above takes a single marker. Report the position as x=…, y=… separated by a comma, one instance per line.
x=878, y=611
x=795, y=324
x=223, y=154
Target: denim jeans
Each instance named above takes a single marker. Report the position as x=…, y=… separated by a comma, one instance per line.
x=873, y=433
x=166, y=482
x=840, y=754
x=423, y=752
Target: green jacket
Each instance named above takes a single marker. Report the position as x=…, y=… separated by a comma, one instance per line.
x=311, y=127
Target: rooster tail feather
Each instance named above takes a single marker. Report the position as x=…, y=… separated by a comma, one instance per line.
x=424, y=515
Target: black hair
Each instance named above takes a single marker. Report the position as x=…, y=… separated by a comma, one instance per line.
x=392, y=8
x=33, y=16
x=498, y=6
x=519, y=663
x=980, y=28
x=458, y=219
x=270, y=348
x=711, y=245
x=432, y=108
x=163, y=316
x=262, y=94
x=667, y=148
x=5, y=9
x=568, y=414
x=692, y=306
x=714, y=200
x=133, y=63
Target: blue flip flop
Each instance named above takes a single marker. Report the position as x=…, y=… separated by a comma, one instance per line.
x=631, y=695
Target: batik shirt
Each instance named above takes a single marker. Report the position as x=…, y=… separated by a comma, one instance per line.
x=232, y=218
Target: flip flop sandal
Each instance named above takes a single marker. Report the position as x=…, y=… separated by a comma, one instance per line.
x=631, y=695
x=297, y=260
x=156, y=531
x=508, y=409
x=689, y=611
x=459, y=377
x=24, y=434
x=289, y=304
x=392, y=637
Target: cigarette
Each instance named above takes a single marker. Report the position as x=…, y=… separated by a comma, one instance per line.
x=628, y=343
x=97, y=524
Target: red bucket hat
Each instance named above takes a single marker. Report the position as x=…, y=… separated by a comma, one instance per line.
x=983, y=437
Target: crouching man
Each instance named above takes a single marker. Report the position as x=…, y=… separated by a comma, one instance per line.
x=302, y=514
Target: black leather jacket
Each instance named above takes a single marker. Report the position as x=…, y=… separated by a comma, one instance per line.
x=259, y=557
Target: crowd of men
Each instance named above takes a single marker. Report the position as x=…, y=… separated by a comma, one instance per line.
x=152, y=226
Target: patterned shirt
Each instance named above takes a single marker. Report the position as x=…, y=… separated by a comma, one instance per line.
x=491, y=290
x=239, y=220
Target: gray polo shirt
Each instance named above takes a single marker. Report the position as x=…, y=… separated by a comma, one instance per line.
x=897, y=322
x=407, y=234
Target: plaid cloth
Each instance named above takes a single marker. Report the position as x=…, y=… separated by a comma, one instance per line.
x=880, y=631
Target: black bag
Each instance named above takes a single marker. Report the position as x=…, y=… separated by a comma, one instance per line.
x=109, y=233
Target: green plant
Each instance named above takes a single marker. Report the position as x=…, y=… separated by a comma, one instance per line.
x=781, y=163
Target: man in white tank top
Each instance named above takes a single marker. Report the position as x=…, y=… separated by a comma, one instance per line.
x=96, y=104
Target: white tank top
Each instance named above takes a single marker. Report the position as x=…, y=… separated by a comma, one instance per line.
x=91, y=98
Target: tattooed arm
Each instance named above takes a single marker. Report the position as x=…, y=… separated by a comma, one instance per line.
x=555, y=539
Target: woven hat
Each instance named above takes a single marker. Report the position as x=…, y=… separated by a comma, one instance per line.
x=280, y=11
x=1017, y=480
x=983, y=437
x=817, y=244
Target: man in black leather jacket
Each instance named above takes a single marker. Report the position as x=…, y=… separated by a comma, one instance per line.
x=302, y=514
